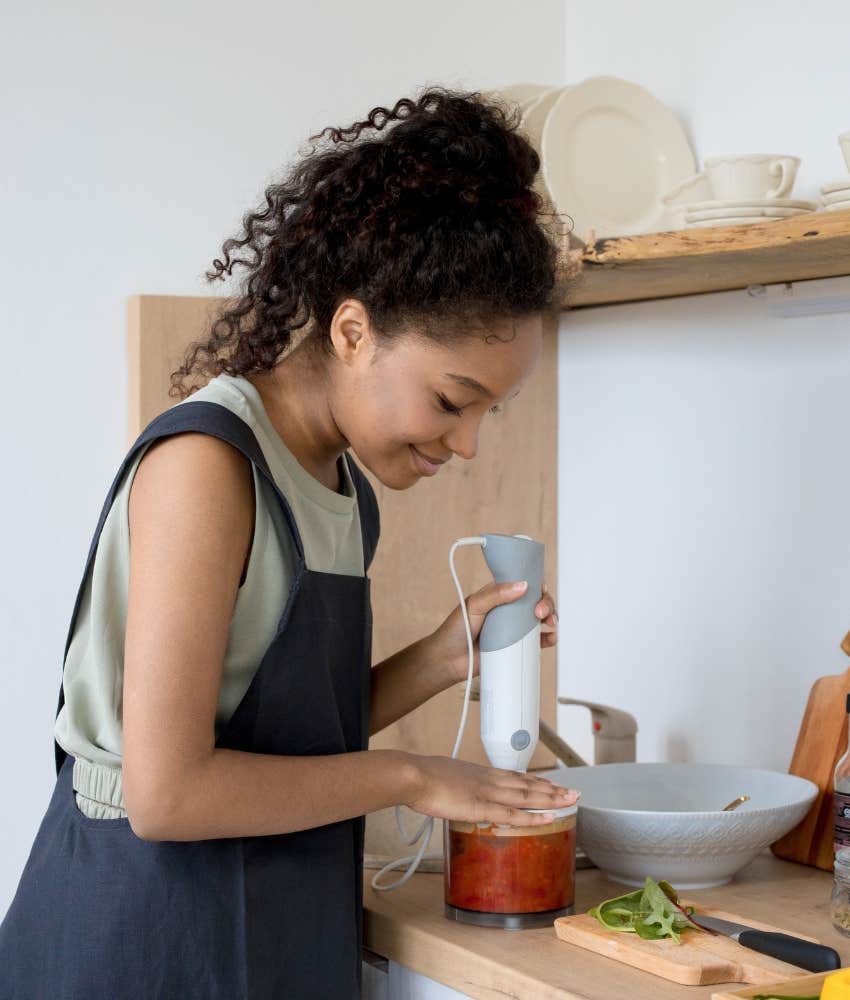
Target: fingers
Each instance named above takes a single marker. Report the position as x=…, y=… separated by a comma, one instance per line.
x=517, y=817
x=515, y=788
x=493, y=595
x=545, y=608
x=514, y=815
x=545, y=611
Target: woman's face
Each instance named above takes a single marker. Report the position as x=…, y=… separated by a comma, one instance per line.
x=403, y=403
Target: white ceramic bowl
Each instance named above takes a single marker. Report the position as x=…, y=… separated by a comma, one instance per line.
x=666, y=820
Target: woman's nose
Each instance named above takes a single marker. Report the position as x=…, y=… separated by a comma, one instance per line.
x=463, y=439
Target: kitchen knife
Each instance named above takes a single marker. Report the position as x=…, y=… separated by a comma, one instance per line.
x=795, y=951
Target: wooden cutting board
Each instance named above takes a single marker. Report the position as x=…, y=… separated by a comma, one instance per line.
x=700, y=960
x=821, y=741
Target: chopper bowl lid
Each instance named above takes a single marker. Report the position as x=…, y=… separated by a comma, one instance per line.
x=558, y=813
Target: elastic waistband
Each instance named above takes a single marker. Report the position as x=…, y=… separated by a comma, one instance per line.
x=99, y=783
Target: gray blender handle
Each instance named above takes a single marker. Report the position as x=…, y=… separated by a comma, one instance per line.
x=512, y=557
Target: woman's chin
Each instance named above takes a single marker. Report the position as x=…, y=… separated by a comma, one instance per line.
x=394, y=475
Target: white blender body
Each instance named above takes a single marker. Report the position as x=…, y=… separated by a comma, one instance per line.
x=509, y=647
x=510, y=702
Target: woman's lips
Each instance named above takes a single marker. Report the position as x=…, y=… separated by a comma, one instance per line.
x=424, y=465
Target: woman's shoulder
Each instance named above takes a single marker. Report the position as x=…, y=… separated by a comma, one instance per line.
x=188, y=490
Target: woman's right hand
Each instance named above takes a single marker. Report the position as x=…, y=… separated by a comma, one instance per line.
x=454, y=789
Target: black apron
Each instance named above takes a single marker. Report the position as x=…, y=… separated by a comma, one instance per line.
x=100, y=914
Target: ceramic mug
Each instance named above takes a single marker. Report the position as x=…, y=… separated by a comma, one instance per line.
x=844, y=143
x=751, y=177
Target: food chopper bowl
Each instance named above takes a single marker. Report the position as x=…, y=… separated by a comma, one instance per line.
x=513, y=877
x=666, y=820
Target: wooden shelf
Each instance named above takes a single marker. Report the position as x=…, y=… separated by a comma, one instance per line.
x=719, y=258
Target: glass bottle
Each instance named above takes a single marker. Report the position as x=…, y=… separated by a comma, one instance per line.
x=839, y=904
x=841, y=791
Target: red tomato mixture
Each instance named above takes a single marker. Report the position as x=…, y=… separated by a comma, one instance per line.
x=526, y=873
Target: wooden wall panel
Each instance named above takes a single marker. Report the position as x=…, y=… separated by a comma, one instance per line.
x=510, y=487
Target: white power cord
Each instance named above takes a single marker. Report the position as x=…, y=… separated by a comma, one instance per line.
x=428, y=823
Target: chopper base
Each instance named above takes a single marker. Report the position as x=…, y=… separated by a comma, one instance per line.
x=507, y=921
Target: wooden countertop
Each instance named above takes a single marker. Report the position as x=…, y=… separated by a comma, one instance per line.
x=407, y=925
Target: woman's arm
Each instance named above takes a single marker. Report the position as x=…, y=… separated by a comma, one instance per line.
x=191, y=512
x=406, y=680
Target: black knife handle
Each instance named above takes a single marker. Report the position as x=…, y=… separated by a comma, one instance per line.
x=795, y=951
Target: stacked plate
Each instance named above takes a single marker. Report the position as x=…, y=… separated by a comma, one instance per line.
x=702, y=214
x=609, y=149
x=835, y=197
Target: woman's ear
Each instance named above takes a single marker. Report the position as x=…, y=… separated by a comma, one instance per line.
x=350, y=332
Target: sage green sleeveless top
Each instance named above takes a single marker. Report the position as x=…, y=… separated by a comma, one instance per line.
x=89, y=725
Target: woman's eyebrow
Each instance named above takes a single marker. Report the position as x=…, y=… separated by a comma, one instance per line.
x=474, y=384
x=470, y=383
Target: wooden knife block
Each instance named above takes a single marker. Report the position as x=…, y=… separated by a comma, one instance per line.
x=820, y=743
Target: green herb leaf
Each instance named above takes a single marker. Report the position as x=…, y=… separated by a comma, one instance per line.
x=652, y=913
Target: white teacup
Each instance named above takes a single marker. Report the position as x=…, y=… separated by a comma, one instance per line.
x=751, y=177
x=844, y=143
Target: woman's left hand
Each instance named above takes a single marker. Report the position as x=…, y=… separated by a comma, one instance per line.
x=449, y=640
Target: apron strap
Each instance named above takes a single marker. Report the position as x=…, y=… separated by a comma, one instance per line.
x=207, y=418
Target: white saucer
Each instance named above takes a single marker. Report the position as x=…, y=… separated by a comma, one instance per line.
x=738, y=220
x=835, y=186
x=700, y=206
x=732, y=213
x=840, y=194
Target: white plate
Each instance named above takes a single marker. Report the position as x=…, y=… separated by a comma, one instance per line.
x=535, y=114
x=700, y=206
x=838, y=206
x=834, y=186
x=519, y=93
x=840, y=194
x=688, y=192
x=610, y=150
x=729, y=213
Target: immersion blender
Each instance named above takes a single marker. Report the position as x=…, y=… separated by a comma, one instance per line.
x=509, y=645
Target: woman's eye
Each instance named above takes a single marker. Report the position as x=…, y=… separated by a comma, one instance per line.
x=448, y=406
x=451, y=408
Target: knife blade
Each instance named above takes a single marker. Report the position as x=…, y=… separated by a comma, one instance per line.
x=794, y=950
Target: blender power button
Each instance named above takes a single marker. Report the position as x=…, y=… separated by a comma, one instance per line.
x=520, y=739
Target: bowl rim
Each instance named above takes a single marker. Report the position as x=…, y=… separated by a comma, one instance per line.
x=694, y=814
x=811, y=795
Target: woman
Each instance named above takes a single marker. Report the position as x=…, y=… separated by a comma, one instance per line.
x=205, y=835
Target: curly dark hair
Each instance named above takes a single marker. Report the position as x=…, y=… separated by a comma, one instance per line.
x=434, y=226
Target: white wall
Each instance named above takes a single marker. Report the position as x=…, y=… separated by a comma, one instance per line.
x=704, y=488
x=133, y=141
x=704, y=505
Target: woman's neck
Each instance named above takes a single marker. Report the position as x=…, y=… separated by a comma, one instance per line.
x=296, y=396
